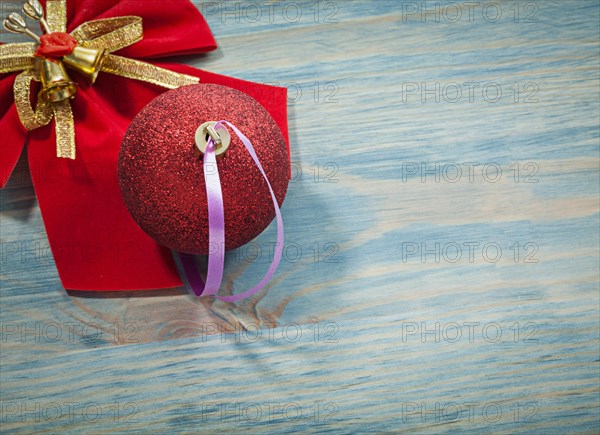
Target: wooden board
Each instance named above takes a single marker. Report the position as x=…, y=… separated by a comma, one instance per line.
x=441, y=261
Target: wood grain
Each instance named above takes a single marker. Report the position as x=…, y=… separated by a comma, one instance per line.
x=441, y=269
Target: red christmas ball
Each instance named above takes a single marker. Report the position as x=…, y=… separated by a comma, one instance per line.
x=161, y=175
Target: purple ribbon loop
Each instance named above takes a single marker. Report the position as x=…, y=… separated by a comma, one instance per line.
x=216, y=229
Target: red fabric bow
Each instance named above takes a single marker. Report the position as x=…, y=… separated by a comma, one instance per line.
x=95, y=243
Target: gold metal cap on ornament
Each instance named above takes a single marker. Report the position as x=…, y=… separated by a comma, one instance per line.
x=56, y=83
x=221, y=139
x=86, y=61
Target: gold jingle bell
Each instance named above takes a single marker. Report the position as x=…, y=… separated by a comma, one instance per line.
x=86, y=61
x=56, y=83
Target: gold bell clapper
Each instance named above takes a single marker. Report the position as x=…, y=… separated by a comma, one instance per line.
x=56, y=84
x=87, y=61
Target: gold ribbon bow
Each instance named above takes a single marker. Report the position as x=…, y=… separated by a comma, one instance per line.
x=109, y=34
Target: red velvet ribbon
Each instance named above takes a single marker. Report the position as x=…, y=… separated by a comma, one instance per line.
x=95, y=243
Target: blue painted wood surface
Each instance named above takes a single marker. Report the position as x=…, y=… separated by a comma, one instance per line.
x=441, y=269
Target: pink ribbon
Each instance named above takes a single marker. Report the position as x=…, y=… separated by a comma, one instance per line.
x=216, y=229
